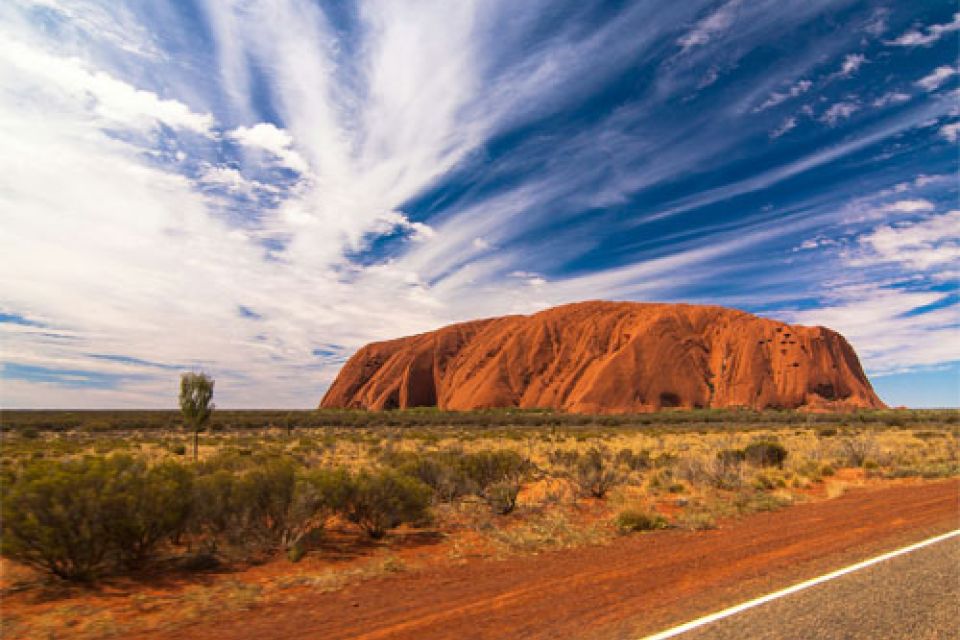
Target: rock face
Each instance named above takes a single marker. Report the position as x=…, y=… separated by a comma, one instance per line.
x=609, y=357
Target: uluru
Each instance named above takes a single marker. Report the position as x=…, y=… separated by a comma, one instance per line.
x=610, y=357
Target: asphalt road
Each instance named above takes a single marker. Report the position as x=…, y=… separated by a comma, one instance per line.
x=914, y=596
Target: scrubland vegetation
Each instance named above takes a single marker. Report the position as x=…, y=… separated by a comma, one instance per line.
x=89, y=497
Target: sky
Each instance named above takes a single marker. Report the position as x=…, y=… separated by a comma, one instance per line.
x=257, y=189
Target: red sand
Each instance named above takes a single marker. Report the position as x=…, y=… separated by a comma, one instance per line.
x=637, y=585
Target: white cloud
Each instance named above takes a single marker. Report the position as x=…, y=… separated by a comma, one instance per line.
x=710, y=26
x=950, y=131
x=893, y=97
x=923, y=245
x=868, y=208
x=839, y=111
x=110, y=23
x=786, y=126
x=395, y=220
x=909, y=206
x=115, y=102
x=877, y=23
x=935, y=78
x=851, y=63
x=269, y=137
x=814, y=243
x=776, y=98
x=934, y=32
x=136, y=261
x=923, y=180
x=531, y=278
x=882, y=325
x=232, y=180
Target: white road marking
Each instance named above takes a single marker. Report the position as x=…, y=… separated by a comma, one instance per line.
x=719, y=615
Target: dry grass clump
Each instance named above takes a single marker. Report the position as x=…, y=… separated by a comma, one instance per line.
x=541, y=531
x=632, y=520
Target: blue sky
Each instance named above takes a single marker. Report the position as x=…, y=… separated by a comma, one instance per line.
x=257, y=189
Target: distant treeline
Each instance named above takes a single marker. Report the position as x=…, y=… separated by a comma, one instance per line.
x=95, y=421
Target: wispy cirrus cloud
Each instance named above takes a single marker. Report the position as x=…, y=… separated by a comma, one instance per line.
x=851, y=63
x=933, y=80
x=928, y=35
x=801, y=87
x=839, y=111
x=950, y=131
x=712, y=25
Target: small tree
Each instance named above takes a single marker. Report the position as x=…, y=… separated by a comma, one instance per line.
x=196, y=392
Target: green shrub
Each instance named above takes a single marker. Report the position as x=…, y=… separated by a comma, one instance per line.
x=563, y=458
x=484, y=468
x=380, y=501
x=54, y=520
x=631, y=520
x=451, y=475
x=765, y=454
x=750, y=503
x=763, y=483
x=440, y=472
x=145, y=506
x=213, y=498
x=318, y=495
x=894, y=419
x=78, y=518
x=295, y=552
x=502, y=496
x=665, y=460
x=634, y=461
x=261, y=504
x=263, y=498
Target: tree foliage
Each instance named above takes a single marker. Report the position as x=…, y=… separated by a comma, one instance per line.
x=196, y=395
